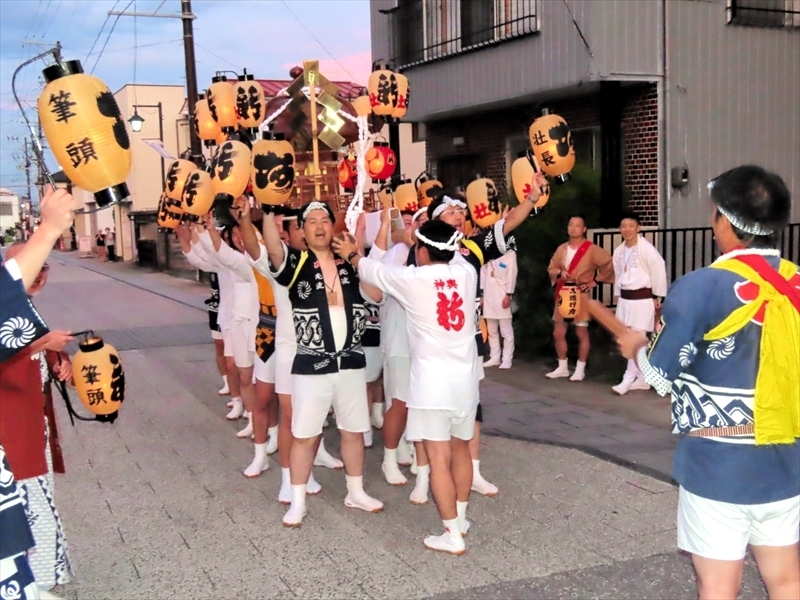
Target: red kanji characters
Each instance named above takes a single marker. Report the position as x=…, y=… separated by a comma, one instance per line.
x=450, y=315
x=439, y=284
x=451, y=284
x=481, y=211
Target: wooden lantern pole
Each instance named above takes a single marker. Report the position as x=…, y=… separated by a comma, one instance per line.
x=603, y=315
x=311, y=70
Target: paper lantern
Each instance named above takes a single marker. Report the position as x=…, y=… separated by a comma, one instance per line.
x=362, y=106
x=484, y=203
x=169, y=213
x=206, y=127
x=522, y=172
x=230, y=169
x=382, y=86
x=348, y=173
x=380, y=161
x=405, y=197
x=251, y=104
x=568, y=301
x=84, y=128
x=552, y=144
x=427, y=190
x=177, y=174
x=272, y=169
x=99, y=378
x=402, y=96
x=198, y=194
x=221, y=98
x=386, y=196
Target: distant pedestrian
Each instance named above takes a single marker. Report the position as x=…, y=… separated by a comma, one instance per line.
x=585, y=264
x=100, y=242
x=499, y=279
x=111, y=244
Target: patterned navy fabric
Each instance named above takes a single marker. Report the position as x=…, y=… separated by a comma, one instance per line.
x=20, y=324
x=16, y=533
x=712, y=384
x=17, y=582
x=213, y=302
x=372, y=331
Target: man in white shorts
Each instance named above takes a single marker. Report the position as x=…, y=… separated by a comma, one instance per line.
x=440, y=300
x=329, y=319
x=285, y=350
x=728, y=353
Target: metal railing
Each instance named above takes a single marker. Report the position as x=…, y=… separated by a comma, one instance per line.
x=428, y=30
x=685, y=250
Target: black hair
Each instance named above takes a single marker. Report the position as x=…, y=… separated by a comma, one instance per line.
x=629, y=215
x=411, y=213
x=437, y=231
x=301, y=221
x=757, y=197
x=287, y=213
x=577, y=215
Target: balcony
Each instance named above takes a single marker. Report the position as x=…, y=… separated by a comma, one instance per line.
x=427, y=30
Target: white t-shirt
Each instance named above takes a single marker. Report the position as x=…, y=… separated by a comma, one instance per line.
x=394, y=339
x=440, y=303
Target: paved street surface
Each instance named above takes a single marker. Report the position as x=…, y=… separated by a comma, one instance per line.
x=155, y=505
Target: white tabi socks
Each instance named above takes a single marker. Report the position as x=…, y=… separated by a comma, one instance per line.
x=260, y=462
x=272, y=440
x=368, y=438
x=237, y=410
x=285, y=494
x=461, y=511
x=376, y=418
x=225, y=389
x=419, y=495
x=358, y=498
x=404, y=458
x=248, y=429
x=390, y=469
x=580, y=371
x=561, y=371
x=323, y=459
x=451, y=541
x=479, y=484
x=294, y=516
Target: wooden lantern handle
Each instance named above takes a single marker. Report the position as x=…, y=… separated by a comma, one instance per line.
x=603, y=315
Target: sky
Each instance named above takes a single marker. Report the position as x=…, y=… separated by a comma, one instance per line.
x=267, y=37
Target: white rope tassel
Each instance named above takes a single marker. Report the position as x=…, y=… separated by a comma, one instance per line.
x=452, y=244
x=265, y=125
x=357, y=203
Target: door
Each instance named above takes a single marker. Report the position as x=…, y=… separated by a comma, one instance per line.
x=457, y=171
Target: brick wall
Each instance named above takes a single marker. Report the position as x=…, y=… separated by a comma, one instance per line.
x=640, y=135
x=485, y=136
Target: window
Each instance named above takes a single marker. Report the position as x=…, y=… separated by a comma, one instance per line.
x=6, y=209
x=426, y=30
x=418, y=132
x=764, y=13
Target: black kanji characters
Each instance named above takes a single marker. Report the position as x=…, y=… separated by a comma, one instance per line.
x=62, y=106
x=81, y=152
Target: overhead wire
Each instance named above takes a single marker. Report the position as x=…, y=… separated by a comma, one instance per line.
x=111, y=31
x=99, y=33
x=53, y=20
x=216, y=55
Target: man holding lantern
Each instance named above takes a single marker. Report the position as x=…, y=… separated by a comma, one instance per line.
x=577, y=262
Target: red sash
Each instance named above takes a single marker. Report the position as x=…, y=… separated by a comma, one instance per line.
x=760, y=265
x=573, y=264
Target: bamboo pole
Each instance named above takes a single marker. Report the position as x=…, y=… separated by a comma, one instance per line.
x=603, y=315
x=312, y=85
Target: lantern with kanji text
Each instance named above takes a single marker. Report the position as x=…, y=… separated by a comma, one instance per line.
x=251, y=104
x=484, y=202
x=168, y=214
x=230, y=169
x=99, y=378
x=177, y=174
x=83, y=125
x=405, y=197
x=380, y=161
x=206, y=127
x=221, y=98
x=427, y=189
x=272, y=169
x=552, y=145
x=568, y=301
x=522, y=173
x=401, y=97
x=382, y=86
x=198, y=194
x=348, y=173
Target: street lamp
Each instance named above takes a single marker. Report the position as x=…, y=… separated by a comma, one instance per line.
x=136, y=121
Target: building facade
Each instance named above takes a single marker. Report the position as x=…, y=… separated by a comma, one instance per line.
x=9, y=210
x=661, y=95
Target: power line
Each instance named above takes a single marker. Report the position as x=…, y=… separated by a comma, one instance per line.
x=320, y=43
x=99, y=33
x=113, y=25
x=53, y=20
x=216, y=55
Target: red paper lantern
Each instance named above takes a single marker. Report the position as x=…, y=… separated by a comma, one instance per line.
x=381, y=161
x=348, y=173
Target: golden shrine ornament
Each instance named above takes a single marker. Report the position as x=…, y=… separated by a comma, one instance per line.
x=99, y=378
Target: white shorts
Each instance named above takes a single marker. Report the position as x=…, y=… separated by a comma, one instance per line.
x=227, y=340
x=397, y=378
x=722, y=531
x=265, y=371
x=436, y=425
x=243, y=339
x=374, y=363
x=216, y=335
x=313, y=396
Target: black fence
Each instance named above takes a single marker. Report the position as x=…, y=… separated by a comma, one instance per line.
x=686, y=250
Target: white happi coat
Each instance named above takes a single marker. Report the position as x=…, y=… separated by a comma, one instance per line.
x=439, y=303
x=498, y=279
x=285, y=336
x=394, y=339
x=640, y=266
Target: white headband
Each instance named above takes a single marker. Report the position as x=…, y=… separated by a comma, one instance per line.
x=419, y=213
x=451, y=244
x=447, y=202
x=315, y=205
x=290, y=218
x=754, y=229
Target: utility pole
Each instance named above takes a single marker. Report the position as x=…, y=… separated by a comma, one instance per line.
x=28, y=169
x=191, y=68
